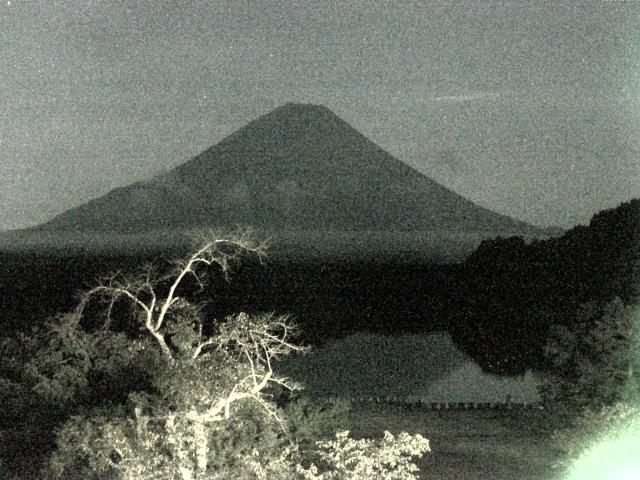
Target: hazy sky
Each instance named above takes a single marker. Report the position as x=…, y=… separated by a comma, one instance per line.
x=530, y=109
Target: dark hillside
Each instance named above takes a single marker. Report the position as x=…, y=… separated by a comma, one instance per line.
x=513, y=291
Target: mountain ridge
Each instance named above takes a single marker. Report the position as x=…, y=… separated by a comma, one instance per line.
x=298, y=167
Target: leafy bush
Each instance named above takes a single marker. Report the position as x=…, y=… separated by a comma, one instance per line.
x=26, y=422
x=205, y=413
x=311, y=420
x=71, y=365
x=110, y=444
x=594, y=363
x=148, y=438
x=387, y=459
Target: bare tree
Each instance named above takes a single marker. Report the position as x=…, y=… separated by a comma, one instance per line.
x=241, y=351
x=206, y=388
x=142, y=290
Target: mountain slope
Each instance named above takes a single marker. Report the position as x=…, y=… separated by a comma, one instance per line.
x=299, y=167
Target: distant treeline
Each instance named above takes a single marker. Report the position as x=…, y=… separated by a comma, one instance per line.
x=498, y=304
x=329, y=297
x=511, y=291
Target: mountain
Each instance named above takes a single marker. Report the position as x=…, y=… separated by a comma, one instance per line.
x=299, y=167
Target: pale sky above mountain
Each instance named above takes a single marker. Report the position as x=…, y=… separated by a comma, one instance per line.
x=529, y=109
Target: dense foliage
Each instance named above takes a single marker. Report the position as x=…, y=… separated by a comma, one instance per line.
x=595, y=362
x=513, y=291
x=388, y=459
x=145, y=387
x=592, y=390
x=561, y=306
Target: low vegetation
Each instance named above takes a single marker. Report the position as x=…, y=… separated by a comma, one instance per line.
x=591, y=393
x=139, y=380
x=138, y=385
x=593, y=363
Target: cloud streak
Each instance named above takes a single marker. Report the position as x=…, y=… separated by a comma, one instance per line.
x=468, y=97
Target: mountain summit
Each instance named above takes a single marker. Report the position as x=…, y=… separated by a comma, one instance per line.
x=299, y=167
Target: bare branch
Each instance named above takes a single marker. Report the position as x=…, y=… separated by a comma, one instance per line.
x=253, y=369
x=286, y=383
x=279, y=342
x=198, y=349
